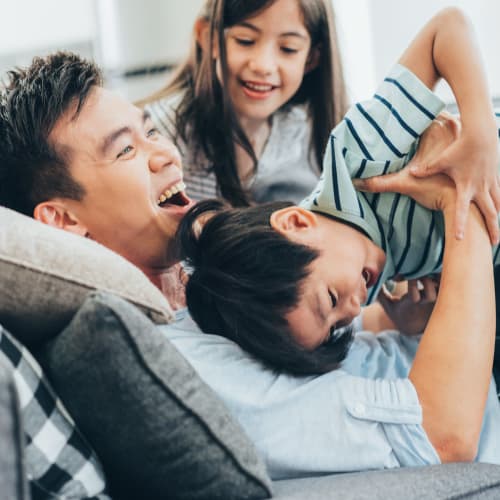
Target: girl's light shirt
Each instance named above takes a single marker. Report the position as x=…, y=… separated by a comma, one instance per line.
x=365, y=415
x=287, y=168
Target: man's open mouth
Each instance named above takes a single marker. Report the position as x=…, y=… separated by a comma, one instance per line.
x=174, y=195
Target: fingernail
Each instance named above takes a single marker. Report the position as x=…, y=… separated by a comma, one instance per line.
x=460, y=235
x=359, y=184
x=413, y=169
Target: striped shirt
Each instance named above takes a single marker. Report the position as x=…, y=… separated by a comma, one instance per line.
x=377, y=137
x=287, y=168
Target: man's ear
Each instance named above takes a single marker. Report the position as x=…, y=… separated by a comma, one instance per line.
x=292, y=220
x=313, y=59
x=55, y=214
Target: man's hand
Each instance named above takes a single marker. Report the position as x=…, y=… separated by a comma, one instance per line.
x=410, y=316
x=435, y=193
x=470, y=159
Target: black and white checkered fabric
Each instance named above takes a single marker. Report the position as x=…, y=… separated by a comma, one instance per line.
x=59, y=462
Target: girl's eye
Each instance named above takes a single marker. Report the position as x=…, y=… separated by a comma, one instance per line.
x=289, y=50
x=333, y=299
x=244, y=41
x=125, y=151
x=152, y=132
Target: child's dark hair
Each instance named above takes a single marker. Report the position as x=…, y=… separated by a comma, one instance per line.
x=206, y=113
x=245, y=278
x=33, y=170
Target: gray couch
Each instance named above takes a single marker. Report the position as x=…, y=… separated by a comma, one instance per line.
x=146, y=425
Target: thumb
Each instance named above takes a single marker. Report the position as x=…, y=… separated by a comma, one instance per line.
x=395, y=182
x=420, y=168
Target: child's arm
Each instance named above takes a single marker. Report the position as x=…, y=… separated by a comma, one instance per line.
x=446, y=48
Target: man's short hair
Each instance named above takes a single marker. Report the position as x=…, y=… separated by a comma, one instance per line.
x=32, y=101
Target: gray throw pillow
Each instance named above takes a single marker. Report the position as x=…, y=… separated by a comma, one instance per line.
x=159, y=431
x=46, y=274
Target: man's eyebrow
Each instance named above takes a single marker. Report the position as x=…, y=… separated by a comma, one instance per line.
x=246, y=24
x=108, y=141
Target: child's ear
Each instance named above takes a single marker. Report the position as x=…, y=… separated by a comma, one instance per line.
x=313, y=59
x=202, y=35
x=292, y=219
x=55, y=214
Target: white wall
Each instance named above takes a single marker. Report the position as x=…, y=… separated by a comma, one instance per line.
x=31, y=25
x=375, y=32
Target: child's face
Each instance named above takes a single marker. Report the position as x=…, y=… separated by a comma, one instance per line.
x=267, y=56
x=336, y=288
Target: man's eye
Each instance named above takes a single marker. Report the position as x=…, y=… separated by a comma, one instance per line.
x=124, y=151
x=153, y=131
x=333, y=299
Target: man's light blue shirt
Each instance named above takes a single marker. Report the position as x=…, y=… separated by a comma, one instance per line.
x=365, y=415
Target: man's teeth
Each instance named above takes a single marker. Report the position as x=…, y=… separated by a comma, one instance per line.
x=258, y=88
x=168, y=193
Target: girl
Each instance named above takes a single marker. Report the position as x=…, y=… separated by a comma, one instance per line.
x=250, y=107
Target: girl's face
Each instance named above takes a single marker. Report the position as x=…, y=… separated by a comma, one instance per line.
x=267, y=56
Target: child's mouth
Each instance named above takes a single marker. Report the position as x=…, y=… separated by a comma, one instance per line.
x=369, y=277
x=257, y=89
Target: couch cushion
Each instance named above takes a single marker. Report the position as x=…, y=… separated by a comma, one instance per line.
x=437, y=482
x=158, y=429
x=46, y=273
x=58, y=460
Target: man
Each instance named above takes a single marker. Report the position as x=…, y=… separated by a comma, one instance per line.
x=79, y=157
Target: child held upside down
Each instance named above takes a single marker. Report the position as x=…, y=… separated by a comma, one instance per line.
x=280, y=279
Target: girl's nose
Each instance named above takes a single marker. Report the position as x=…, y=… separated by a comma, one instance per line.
x=263, y=61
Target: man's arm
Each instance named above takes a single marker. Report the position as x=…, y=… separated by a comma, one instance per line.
x=452, y=368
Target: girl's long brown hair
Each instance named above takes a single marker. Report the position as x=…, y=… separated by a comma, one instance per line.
x=206, y=114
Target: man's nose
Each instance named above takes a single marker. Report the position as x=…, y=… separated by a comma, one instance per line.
x=162, y=155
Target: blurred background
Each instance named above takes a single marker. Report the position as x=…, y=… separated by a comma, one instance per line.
x=137, y=42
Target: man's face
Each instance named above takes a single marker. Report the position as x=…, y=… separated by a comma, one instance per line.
x=131, y=175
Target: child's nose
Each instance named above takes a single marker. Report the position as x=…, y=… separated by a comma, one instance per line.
x=263, y=61
x=353, y=306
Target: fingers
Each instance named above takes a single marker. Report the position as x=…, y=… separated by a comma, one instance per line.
x=424, y=169
x=430, y=289
x=414, y=290
x=423, y=290
x=384, y=183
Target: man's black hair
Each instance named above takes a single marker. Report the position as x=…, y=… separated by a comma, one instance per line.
x=32, y=101
x=246, y=277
